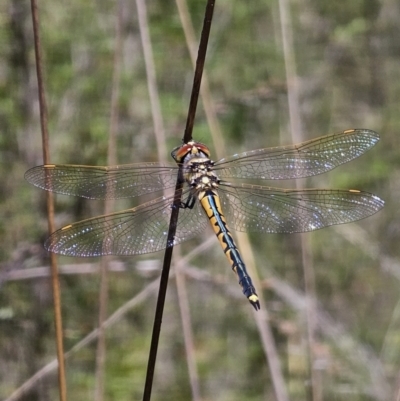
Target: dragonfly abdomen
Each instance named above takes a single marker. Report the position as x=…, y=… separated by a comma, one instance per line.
x=211, y=204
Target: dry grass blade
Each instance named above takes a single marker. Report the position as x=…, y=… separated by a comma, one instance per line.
x=305, y=244
x=205, y=93
x=50, y=205
x=159, y=131
x=109, y=205
x=263, y=324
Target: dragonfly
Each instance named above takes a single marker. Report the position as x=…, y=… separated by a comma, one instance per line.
x=213, y=192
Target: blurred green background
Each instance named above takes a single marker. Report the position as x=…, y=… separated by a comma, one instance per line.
x=346, y=59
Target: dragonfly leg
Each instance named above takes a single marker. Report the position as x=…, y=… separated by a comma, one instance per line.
x=189, y=202
x=186, y=204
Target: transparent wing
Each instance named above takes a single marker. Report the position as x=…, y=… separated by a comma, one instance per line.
x=134, y=231
x=302, y=160
x=103, y=182
x=272, y=210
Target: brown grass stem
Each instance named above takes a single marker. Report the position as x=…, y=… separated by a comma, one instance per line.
x=50, y=204
x=109, y=205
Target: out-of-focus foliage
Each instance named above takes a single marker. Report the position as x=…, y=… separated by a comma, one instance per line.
x=347, y=59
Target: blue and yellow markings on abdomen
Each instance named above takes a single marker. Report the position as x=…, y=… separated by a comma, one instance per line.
x=211, y=204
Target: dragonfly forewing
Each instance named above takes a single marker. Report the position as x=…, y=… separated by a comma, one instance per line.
x=103, y=182
x=140, y=230
x=306, y=159
x=272, y=210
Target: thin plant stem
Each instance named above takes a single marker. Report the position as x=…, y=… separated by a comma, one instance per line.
x=198, y=73
x=263, y=324
x=205, y=92
x=316, y=392
x=108, y=205
x=176, y=204
x=159, y=133
x=188, y=337
x=50, y=204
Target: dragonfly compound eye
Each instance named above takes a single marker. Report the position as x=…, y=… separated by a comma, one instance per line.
x=191, y=148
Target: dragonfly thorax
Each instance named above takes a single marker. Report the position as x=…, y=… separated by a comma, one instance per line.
x=199, y=175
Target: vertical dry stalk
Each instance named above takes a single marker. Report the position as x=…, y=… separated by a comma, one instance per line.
x=161, y=150
x=205, y=92
x=50, y=205
x=108, y=206
x=176, y=204
x=296, y=132
x=263, y=326
x=159, y=131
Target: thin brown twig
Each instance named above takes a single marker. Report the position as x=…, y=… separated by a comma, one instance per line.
x=264, y=328
x=159, y=134
x=21, y=273
x=188, y=337
x=108, y=205
x=315, y=390
x=50, y=204
x=159, y=131
x=198, y=73
x=175, y=207
x=205, y=92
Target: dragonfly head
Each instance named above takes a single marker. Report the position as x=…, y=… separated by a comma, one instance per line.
x=189, y=150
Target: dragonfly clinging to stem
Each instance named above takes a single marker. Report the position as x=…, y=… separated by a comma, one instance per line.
x=211, y=193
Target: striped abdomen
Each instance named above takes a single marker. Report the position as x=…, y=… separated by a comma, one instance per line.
x=210, y=202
